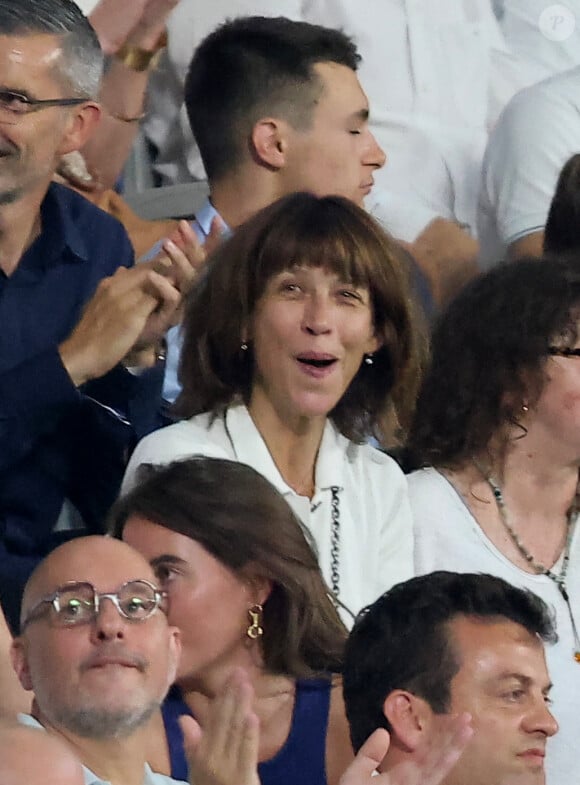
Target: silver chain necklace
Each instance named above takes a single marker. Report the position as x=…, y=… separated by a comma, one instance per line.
x=335, y=541
x=540, y=569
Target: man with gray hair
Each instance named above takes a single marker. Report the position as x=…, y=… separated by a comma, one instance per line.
x=74, y=314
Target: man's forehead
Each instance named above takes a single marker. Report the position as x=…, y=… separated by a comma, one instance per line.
x=490, y=649
x=341, y=81
x=33, y=52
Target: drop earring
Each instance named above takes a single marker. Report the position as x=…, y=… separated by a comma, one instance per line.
x=255, y=629
x=369, y=359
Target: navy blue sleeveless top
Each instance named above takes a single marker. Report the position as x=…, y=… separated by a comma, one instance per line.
x=302, y=759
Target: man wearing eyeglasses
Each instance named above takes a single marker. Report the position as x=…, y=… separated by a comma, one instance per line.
x=97, y=651
x=73, y=318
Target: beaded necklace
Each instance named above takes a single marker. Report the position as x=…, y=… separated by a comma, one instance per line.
x=558, y=578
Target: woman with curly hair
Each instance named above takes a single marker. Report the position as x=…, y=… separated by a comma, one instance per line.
x=299, y=345
x=497, y=430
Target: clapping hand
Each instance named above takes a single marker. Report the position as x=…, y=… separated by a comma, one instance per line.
x=225, y=751
x=429, y=766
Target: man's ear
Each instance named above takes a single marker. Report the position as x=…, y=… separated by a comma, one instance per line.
x=269, y=143
x=19, y=658
x=409, y=717
x=80, y=125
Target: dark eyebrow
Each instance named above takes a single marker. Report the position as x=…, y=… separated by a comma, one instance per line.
x=517, y=676
x=166, y=558
x=525, y=681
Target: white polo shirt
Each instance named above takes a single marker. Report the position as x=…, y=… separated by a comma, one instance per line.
x=534, y=137
x=376, y=542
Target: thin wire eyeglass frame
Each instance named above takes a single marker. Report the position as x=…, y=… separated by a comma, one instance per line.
x=92, y=603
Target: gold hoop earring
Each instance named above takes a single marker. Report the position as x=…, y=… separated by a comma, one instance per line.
x=255, y=629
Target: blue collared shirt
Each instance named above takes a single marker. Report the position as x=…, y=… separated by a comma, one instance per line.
x=202, y=227
x=58, y=443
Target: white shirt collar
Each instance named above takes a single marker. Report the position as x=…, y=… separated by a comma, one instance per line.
x=250, y=448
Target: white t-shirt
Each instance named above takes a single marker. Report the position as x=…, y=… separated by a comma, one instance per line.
x=436, y=74
x=167, y=124
x=447, y=537
x=376, y=542
x=534, y=137
x=86, y=6
x=544, y=36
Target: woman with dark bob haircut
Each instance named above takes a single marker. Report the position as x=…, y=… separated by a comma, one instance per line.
x=245, y=589
x=498, y=426
x=298, y=345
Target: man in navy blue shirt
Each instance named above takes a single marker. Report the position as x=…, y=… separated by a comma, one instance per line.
x=78, y=323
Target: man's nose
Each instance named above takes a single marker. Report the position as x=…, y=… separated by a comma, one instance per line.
x=541, y=719
x=108, y=622
x=375, y=155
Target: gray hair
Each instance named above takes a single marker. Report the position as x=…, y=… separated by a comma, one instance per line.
x=81, y=64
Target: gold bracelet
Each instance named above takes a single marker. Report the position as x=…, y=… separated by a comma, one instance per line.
x=138, y=59
x=124, y=119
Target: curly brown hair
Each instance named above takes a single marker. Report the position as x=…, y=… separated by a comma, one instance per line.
x=488, y=357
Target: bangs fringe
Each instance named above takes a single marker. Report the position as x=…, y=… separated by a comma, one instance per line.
x=308, y=240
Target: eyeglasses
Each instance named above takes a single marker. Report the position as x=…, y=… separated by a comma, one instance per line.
x=14, y=106
x=79, y=603
x=563, y=351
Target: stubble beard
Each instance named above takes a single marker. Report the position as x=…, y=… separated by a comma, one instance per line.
x=101, y=724
x=10, y=169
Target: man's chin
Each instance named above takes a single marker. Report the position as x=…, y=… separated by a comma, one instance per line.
x=101, y=723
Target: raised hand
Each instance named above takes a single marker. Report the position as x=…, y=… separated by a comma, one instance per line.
x=428, y=766
x=139, y=22
x=130, y=311
x=183, y=254
x=225, y=751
